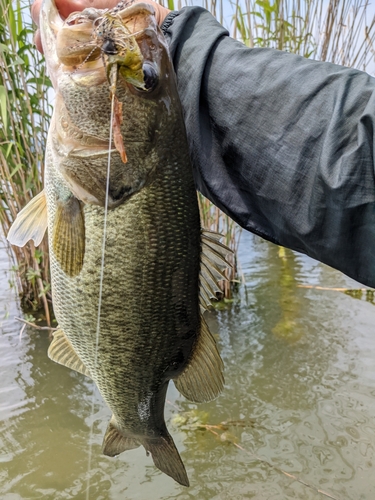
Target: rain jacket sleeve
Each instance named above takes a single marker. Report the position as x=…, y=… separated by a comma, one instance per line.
x=282, y=144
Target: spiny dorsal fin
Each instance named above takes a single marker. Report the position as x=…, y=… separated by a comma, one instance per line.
x=115, y=443
x=68, y=238
x=61, y=351
x=213, y=264
x=166, y=457
x=30, y=223
x=202, y=380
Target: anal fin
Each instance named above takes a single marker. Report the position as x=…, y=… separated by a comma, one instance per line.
x=68, y=238
x=115, y=442
x=61, y=351
x=202, y=380
x=30, y=223
x=166, y=457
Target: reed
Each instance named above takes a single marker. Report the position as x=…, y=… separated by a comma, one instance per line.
x=339, y=31
x=25, y=114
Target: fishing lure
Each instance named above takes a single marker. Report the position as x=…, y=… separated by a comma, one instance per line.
x=111, y=40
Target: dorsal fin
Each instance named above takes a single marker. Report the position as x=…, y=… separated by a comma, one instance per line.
x=213, y=264
x=30, y=223
x=202, y=380
x=61, y=351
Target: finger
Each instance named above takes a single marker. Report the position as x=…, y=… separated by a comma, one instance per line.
x=66, y=7
x=35, y=11
x=38, y=41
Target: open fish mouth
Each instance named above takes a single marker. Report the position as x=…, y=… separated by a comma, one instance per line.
x=109, y=57
x=98, y=38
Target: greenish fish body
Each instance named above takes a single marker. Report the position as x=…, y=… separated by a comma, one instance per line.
x=151, y=328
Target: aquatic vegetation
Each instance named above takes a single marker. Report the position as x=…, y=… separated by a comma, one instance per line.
x=228, y=433
x=25, y=114
x=338, y=31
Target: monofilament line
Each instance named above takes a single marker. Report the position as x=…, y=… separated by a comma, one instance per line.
x=113, y=78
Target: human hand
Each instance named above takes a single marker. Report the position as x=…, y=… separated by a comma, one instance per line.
x=66, y=7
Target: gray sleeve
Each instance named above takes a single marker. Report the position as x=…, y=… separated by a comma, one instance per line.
x=282, y=144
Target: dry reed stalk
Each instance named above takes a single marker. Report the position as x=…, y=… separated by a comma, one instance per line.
x=337, y=32
x=25, y=113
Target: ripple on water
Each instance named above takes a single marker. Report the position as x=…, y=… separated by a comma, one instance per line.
x=299, y=399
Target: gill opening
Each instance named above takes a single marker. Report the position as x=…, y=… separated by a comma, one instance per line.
x=113, y=80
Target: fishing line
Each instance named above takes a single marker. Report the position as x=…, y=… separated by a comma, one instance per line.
x=113, y=78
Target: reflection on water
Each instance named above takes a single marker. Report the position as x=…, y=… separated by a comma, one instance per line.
x=299, y=398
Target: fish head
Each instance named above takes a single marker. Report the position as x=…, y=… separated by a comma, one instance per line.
x=102, y=58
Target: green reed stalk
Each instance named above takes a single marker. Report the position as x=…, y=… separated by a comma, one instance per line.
x=25, y=114
x=339, y=31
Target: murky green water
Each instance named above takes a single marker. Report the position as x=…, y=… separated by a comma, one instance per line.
x=299, y=398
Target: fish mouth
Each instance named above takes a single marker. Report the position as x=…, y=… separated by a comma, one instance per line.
x=86, y=39
x=95, y=112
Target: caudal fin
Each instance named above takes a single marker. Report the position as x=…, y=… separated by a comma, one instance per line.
x=166, y=457
x=163, y=450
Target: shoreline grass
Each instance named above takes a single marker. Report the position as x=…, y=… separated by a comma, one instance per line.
x=25, y=114
x=339, y=31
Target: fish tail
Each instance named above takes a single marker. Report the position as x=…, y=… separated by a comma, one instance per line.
x=166, y=457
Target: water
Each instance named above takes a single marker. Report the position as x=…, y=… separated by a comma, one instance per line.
x=299, y=398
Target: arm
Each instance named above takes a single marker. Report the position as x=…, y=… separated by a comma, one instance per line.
x=282, y=144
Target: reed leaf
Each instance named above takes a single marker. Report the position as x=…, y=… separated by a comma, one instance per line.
x=25, y=115
x=338, y=31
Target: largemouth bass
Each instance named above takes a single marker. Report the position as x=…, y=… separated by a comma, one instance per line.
x=160, y=269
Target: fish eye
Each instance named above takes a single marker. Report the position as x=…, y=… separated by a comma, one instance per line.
x=151, y=77
x=109, y=47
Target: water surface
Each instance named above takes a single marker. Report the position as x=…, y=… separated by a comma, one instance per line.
x=299, y=399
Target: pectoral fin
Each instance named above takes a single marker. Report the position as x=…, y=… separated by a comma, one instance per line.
x=68, y=238
x=30, y=223
x=61, y=351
